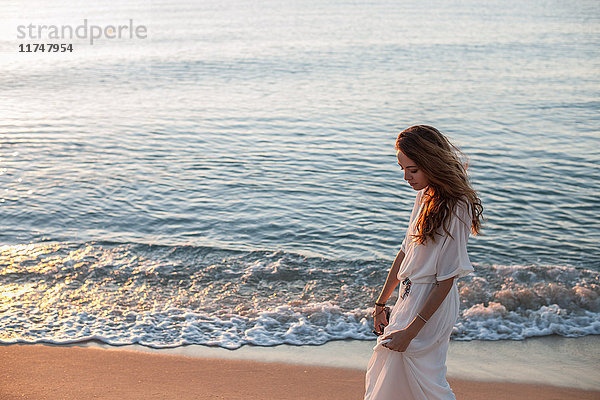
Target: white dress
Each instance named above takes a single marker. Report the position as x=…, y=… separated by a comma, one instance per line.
x=419, y=373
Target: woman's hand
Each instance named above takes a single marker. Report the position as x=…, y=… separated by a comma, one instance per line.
x=380, y=320
x=399, y=340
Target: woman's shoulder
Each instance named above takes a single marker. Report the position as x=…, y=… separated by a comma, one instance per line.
x=462, y=209
x=420, y=195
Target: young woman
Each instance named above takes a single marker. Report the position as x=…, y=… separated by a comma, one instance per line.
x=408, y=361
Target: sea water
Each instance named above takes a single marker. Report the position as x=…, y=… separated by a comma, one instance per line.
x=231, y=179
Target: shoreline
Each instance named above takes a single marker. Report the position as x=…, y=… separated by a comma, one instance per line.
x=37, y=371
x=550, y=360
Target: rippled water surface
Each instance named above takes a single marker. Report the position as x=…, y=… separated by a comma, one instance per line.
x=232, y=178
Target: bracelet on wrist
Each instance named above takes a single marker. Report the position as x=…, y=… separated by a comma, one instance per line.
x=376, y=313
x=380, y=304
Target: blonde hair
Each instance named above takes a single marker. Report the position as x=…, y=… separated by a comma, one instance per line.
x=441, y=162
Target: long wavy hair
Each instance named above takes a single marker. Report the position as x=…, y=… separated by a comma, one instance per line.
x=441, y=162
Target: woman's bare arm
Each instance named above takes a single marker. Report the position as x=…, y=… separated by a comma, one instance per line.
x=392, y=279
x=379, y=318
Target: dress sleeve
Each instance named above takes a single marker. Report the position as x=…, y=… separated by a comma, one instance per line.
x=453, y=260
x=404, y=243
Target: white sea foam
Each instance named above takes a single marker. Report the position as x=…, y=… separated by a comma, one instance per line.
x=124, y=295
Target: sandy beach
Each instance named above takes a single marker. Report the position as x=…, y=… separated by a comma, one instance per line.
x=56, y=372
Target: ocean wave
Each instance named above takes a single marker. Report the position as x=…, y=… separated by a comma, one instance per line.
x=167, y=296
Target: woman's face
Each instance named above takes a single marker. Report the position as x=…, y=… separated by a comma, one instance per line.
x=412, y=174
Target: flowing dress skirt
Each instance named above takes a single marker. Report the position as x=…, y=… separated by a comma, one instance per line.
x=419, y=373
